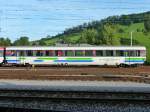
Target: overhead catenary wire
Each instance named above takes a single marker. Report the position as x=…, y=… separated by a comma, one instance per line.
x=22, y=13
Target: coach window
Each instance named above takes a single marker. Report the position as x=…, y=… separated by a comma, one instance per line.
x=11, y=53
x=88, y=53
x=29, y=53
x=79, y=53
x=39, y=53
x=119, y=53
x=142, y=53
x=99, y=53
x=126, y=53
x=59, y=53
x=21, y=53
x=109, y=53
x=8, y=53
x=49, y=53
x=132, y=53
x=1, y=53
x=69, y=53
x=138, y=53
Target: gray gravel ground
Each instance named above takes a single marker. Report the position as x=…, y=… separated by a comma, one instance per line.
x=97, y=86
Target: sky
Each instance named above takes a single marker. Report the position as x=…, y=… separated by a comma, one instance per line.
x=39, y=18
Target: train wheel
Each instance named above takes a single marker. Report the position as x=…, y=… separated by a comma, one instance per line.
x=66, y=64
x=122, y=65
x=27, y=65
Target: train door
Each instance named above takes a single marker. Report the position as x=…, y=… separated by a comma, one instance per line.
x=127, y=57
x=21, y=56
x=16, y=59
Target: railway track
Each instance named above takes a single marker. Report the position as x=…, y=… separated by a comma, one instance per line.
x=139, y=79
x=141, y=74
x=74, y=96
x=65, y=101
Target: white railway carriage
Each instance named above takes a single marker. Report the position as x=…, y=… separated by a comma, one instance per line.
x=98, y=55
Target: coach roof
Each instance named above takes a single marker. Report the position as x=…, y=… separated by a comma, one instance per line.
x=76, y=48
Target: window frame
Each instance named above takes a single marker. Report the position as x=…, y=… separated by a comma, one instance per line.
x=82, y=51
x=32, y=51
x=73, y=53
x=89, y=55
x=102, y=51
x=109, y=51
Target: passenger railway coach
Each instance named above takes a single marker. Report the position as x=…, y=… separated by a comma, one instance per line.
x=98, y=55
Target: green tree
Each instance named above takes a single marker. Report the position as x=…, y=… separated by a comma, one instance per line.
x=147, y=23
x=22, y=41
x=42, y=43
x=108, y=35
x=5, y=42
x=89, y=36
